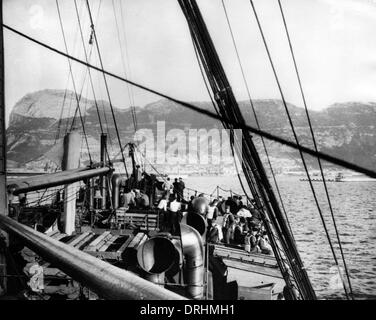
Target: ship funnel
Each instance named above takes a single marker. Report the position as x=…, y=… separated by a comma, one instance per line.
x=193, y=252
x=71, y=160
x=156, y=256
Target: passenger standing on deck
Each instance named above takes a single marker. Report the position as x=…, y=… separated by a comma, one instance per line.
x=256, y=219
x=167, y=187
x=181, y=187
x=215, y=234
x=162, y=211
x=236, y=199
x=162, y=205
x=212, y=212
x=240, y=202
x=230, y=202
x=228, y=224
x=221, y=205
x=175, y=207
x=190, y=204
x=238, y=237
x=176, y=188
x=247, y=242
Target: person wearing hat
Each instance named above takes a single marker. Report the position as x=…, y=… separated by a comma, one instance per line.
x=227, y=225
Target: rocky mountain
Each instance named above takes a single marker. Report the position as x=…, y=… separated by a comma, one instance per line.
x=39, y=119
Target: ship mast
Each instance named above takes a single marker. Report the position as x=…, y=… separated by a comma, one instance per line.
x=226, y=105
x=3, y=193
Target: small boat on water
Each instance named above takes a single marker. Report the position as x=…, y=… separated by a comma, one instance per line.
x=339, y=177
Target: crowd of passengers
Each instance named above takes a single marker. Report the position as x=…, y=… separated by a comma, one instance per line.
x=138, y=198
x=230, y=221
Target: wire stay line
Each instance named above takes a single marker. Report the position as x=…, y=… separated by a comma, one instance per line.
x=323, y=156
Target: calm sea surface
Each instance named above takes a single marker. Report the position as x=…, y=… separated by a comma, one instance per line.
x=354, y=206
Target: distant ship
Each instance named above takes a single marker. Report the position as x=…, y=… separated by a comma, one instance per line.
x=339, y=177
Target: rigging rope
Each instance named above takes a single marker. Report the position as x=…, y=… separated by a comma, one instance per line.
x=106, y=85
x=205, y=79
x=128, y=60
x=65, y=92
x=69, y=111
x=252, y=166
x=216, y=109
x=80, y=97
x=296, y=138
x=84, y=120
x=315, y=144
x=57, y=136
x=74, y=85
x=129, y=87
x=255, y=116
x=87, y=59
x=323, y=156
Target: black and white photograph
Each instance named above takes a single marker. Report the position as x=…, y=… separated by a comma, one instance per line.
x=209, y=151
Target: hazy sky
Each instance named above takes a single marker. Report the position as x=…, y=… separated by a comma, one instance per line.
x=334, y=42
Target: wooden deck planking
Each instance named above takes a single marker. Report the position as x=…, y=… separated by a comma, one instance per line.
x=84, y=240
x=77, y=239
x=107, y=243
x=93, y=245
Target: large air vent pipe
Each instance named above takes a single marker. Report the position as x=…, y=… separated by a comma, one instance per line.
x=193, y=252
x=199, y=223
x=117, y=180
x=156, y=256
